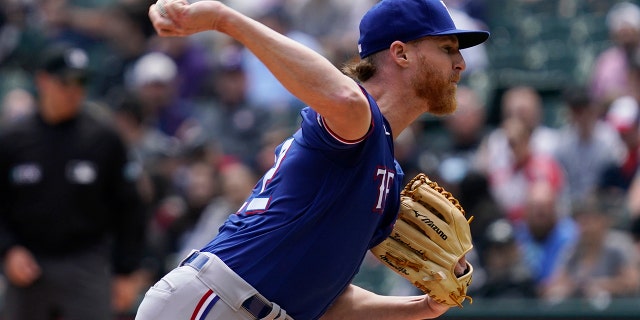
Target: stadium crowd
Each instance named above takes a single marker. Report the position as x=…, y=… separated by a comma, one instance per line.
x=556, y=203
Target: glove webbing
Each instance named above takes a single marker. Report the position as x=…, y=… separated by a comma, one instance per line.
x=410, y=188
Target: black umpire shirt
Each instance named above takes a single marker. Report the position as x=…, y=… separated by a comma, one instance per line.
x=67, y=188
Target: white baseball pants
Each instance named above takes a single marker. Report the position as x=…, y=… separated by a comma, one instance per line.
x=203, y=287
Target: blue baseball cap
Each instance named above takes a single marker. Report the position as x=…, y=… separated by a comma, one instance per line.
x=406, y=20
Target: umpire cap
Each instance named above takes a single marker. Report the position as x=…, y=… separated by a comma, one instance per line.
x=66, y=62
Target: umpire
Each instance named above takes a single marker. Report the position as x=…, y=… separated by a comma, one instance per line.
x=70, y=217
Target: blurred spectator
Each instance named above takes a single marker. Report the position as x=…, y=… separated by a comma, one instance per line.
x=169, y=208
x=512, y=183
x=154, y=79
x=476, y=9
x=475, y=196
x=524, y=103
x=124, y=35
x=610, y=74
x=185, y=184
x=20, y=42
x=114, y=33
x=76, y=22
x=545, y=233
x=70, y=217
x=263, y=88
x=587, y=145
x=507, y=275
x=192, y=62
x=624, y=116
x=146, y=144
x=334, y=23
x=229, y=118
x=235, y=181
x=465, y=130
x=16, y=104
x=321, y=19
x=602, y=265
x=200, y=187
x=17, y=32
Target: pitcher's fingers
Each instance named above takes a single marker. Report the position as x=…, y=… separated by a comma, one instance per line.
x=163, y=25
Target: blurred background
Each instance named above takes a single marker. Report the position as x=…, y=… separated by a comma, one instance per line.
x=543, y=150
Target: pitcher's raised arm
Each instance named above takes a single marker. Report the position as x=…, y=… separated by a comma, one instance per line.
x=305, y=73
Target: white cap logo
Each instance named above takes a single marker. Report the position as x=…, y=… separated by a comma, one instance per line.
x=77, y=58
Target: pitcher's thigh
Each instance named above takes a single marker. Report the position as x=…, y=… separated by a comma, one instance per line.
x=181, y=295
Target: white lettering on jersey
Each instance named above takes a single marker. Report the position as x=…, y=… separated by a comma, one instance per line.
x=278, y=160
x=386, y=179
x=261, y=203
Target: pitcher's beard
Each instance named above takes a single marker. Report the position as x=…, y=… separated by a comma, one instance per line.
x=437, y=89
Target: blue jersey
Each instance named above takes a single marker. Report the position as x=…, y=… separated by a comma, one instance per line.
x=302, y=234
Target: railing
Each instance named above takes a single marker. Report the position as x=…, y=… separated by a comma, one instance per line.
x=529, y=309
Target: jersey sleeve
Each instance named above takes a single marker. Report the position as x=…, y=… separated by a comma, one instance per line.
x=314, y=132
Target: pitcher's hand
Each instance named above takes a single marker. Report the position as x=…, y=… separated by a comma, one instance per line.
x=179, y=18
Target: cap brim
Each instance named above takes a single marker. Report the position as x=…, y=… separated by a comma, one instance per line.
x=467, y=38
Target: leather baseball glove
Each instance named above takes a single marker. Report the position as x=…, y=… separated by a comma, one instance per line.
x=429, y=238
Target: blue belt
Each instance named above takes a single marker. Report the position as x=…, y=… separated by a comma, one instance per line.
x=256, y=305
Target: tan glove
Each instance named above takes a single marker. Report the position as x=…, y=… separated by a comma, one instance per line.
x=429, y=238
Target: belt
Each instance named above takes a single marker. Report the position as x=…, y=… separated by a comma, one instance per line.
x=256, y=305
